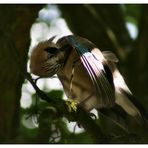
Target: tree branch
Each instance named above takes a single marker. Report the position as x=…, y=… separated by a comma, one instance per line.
x=80, y=116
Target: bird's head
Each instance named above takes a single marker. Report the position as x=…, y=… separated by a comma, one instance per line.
x=45, y=59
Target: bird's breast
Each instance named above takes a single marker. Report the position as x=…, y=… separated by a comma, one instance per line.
x=77, y=83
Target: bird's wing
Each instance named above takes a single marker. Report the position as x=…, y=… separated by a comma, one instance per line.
x=110, y=56
x=97, y=71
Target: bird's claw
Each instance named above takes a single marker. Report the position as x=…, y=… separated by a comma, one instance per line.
x=72, y=105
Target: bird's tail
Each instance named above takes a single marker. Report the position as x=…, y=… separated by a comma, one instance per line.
x=127, y=114
x=134, y=108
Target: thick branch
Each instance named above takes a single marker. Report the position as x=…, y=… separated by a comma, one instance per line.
x=80, y=116
x=15, y=24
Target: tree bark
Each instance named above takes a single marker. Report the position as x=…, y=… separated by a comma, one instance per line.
x=15, y=24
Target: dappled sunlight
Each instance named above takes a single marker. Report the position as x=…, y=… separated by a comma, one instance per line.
x=132, y=28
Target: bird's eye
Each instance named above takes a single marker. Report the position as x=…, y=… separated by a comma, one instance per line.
x=51, y=50
x=50, y=56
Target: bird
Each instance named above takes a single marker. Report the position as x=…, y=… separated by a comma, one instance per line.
x=89, y=76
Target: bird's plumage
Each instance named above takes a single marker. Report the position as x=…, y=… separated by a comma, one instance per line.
x=87, y=74
x=94, y=63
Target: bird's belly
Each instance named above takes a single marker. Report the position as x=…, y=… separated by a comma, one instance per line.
x=80, y=88
x=86, y=98
x=83, y=93
x=77, y=83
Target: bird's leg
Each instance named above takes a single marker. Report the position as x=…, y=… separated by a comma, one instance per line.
x=72, y=76
x=71, y=103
